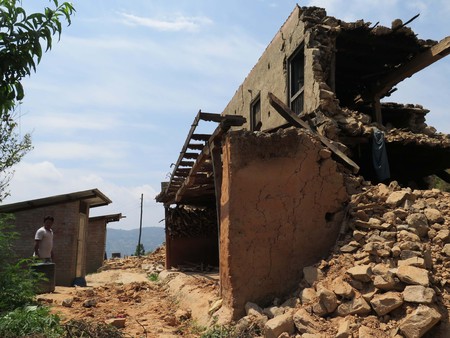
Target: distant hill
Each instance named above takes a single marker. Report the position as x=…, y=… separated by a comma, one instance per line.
x=125, y=241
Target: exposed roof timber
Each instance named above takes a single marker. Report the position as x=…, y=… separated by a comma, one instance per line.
x=182, y=171
x=200, y=137
x=291, y=117
x=408, y=69
x=366, y=56
x=196, y=146
x=407, y=22
x=198, y=117
x=205, y=155
x=189, y=156
x=196, y=178
x=186, y=163
x=188, y=182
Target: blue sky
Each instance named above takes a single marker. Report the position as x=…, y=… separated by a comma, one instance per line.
x=111, y=104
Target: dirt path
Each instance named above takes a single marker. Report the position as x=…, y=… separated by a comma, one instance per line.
x=150, y=308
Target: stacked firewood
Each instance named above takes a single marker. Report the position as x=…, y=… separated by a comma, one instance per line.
x=191, y=222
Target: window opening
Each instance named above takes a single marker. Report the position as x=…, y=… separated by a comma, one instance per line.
x=297, y=80
x=255, y=114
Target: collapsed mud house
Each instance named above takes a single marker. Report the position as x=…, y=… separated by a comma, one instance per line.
x=261, y=199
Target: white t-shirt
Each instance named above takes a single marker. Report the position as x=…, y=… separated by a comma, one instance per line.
x=46, y=242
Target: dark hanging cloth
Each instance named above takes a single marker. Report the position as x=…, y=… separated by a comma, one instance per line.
x=379, y=156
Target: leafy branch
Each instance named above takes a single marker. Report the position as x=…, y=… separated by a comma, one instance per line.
x=21, y=40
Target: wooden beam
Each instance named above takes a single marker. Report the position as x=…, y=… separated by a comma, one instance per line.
x=292, y=118
x=416, y=64
x=216, y=156
x=196, y=146
x=190, y=155
x=211, y=117
x=186, y=163
x=205, y=155
x=200, y=137
x=377, y=110
x=184, y=148
x=232, y=121
x=182, y=171
x=195, y=179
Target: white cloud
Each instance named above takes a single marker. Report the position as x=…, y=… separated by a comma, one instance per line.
x=178, y=23
x=42, y=171
x=73, y=122
x=151, y=75
x=81, y=150
x=44, y=179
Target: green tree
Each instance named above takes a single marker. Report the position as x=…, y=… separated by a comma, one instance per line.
x=23, y=38
x=139, y=250
x=12, y=149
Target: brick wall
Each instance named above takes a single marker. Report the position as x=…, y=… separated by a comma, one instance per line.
x=65, y=231
x=96, y=241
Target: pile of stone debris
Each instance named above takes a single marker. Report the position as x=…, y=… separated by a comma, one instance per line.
x=155, y=260
x=388, y=275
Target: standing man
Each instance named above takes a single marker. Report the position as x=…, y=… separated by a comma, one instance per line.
x=43, y=247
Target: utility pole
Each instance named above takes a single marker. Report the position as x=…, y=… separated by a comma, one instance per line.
x=140, y=228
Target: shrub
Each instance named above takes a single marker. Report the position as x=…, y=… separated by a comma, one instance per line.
x=82, y=328
x=217, y=331
x=30, y=321
x=18, y=282
x=154, y=277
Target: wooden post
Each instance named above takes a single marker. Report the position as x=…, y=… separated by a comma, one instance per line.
x=292, y=118
x=216, y=157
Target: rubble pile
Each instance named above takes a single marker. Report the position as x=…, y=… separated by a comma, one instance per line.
x=354, y=123
x=334, y=119
x=154, y=261
x=388, y=275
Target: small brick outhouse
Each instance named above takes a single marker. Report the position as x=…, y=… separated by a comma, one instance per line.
x=96, y=241
x=71, y=229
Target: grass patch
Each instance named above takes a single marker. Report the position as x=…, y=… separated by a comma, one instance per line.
x=217, y=331
x=153, y=277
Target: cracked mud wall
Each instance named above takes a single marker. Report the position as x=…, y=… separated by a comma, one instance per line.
x=281, y=207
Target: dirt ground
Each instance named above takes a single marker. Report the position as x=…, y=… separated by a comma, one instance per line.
x=174, y=304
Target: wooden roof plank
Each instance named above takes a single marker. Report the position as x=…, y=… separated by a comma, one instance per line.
x=200, y=137
x=196, y=146
x=417, y=63
x=190, y=156
x=203, y=161
x=187, y=163
x=211, y=117
x=290, y=116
